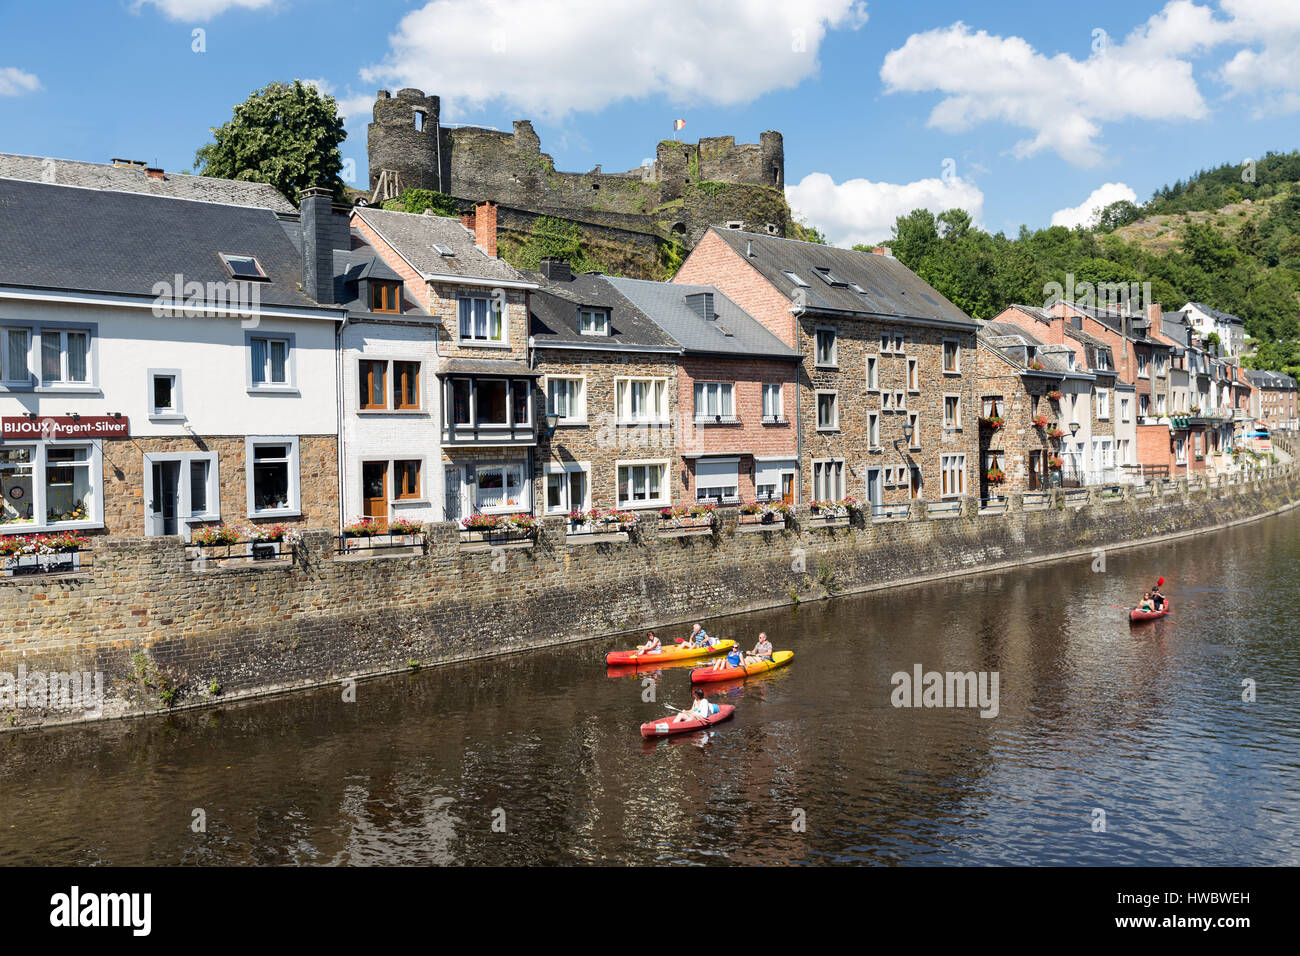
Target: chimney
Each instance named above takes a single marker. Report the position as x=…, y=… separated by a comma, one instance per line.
x=316, y=209
x=557, y=270
x=467, y=220
x=882, y=251
x=1154, y=314
x=485, y=227
x=701, y=303
x=154, y=172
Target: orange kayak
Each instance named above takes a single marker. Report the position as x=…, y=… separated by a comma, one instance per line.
x=667, y=727
x=706, y=675
x=679, y=652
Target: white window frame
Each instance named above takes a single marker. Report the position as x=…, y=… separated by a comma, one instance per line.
x=579, y=400
x=486, y=341
x=294, y=507
x=914, y=419
x=943, y=356
x=886, y=343
x=95, y=514
x=665, y=493
x=873, y=373
x=1103, y=404
x=828, y=468
x=733, y=466
x=657, y=395
x=835, y=407
x=525, y=485
x=177, y=412
x=6, y=373
x=900, y=401
x=290, y=383
x=38, y=356
x=955, y=424
x=767, y=389
x=900, y=343
x=566, y=468
x=1144, y=365
x=913, y=374
x=600, y=327
x=946, y=464
x=873, y=431
x=834, y=361
x=723, y=389
x=1125, y=410
x=184, y=503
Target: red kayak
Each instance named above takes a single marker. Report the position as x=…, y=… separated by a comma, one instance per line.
x=1137, y=617
x=667, y=727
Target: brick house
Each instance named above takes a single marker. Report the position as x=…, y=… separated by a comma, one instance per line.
x=485, y=390
x=884, y=355
x=1273, y=403
x=736, y=386
x=608, y=376
x=162, y=366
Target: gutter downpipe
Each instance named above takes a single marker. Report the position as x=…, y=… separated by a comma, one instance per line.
x=798, y=312
x=339, y=402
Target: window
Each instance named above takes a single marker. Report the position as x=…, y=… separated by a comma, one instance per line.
x=951, y=357
x=491, y=401
x=243, y=267
x=385, y=296
x=641, y=400
x=272, y=465
x=794, y=277
x=829, y=277
x=713, y=400
x=775, y=480
x=717, y=480
x=900, y=401
x=887, y=401
x=566, y=487
x=1162, y=405
x=899, y=343
x=593, y=321
x=406, y=385
x=1144, y=405
x=371, y=380
x=873, y=373
x=64, y=355
x=952, y=411
x=1103, y=360
x=873, y=430
x=1124, y=409
x=642, y=483
x=992, y=406
x=15, y=356
x=1143, y=362
x=914, y=419
x=481, y=321
x=952, y=469
x=886, y=342
x=566, y=398
x=406, y=479
x=1180, y=450
x=913, y=375
x=270, y=364
x=826, y=351
x=165, y=393
x=1103, y=403
x=500, y=487
x=1161, y=365
x=180, y=489
x=828, y=414
x=828, y=480
x=773, y=404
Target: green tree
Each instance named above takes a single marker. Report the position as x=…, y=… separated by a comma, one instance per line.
x=418, y=200
x=285, y=134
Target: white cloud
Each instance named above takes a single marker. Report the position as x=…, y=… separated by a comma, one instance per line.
x=357, y=111
x=191, y=10
x=14, y=82
x=1085, y=214
x=322, y=86
x=1064, y=102
x=861, y=211
x=552, y=57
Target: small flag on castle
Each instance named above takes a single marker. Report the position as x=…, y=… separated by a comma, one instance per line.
x=678, y=124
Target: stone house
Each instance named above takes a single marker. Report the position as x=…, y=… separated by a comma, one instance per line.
x=1273, y=402
x=735, y=385
x=162, y=366
x=486, y=398
x=887, y=386
x=607, y=376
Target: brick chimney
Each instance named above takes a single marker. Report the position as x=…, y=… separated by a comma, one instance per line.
x=467, y=220
x=882, y=251
x=485, y=227
x=154, y=172
x=1154, y=312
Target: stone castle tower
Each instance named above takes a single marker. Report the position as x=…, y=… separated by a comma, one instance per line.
x=687, y=188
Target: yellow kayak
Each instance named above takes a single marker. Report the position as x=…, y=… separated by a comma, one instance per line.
x=679, y=652
x=704, y=675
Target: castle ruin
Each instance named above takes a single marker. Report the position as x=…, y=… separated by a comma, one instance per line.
x=688, y=187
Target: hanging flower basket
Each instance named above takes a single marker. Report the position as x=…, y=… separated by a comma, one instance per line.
x=1055, y=461
x=1055, y=433
x=1040, y=421
x=1056, y=395
x=992, y=422
x=995, y=476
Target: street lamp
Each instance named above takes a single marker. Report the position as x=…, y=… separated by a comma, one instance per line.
x=907, y=432
x=1074, y=429
x=552, y=422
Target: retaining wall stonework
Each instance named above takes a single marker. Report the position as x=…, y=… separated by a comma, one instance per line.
x=159, y=628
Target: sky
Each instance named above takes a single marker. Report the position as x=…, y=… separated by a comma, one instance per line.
x=1028, y=113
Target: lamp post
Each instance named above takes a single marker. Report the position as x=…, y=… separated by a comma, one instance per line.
x=1074, y=429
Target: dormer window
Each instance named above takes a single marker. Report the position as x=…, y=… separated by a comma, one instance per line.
x=593, y=321
x=385, y=296
x=243, y=267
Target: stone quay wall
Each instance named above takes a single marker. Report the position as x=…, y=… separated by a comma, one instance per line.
x=168, y=631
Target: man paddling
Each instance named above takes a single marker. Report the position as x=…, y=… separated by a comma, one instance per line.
x=762, y=650
x=700, y=637
x=1158, y=599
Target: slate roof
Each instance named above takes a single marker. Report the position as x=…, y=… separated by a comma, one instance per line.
x=1014, y=343
x=361, y=261
x=466, y=366
x=1266, y=379
x=412, y=235
x=888, y=287
x=733, y=332
x=1216, y=314
x=553, y=315
x=61, y=237
x=66, y=172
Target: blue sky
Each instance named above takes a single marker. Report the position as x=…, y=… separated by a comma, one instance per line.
x=1019, y=111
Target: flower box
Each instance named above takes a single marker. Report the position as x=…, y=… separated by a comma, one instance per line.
x=992, y=422
x=41, y=553
x=1040, y=421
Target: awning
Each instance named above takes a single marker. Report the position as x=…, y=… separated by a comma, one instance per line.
x=504, y=368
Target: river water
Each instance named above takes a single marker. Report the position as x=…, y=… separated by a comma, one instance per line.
x=536, y=758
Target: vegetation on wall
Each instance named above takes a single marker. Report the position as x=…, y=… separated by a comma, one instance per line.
x=284, y=134
x=418, y=200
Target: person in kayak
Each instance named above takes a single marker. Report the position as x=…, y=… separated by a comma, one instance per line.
x=651, y=646
x=700, y=637
x=762, y=651
x=1147, y=604
x=1157, y=599
x=699, y=710
x=732, y=659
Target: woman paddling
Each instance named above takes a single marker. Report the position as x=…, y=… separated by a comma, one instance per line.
x=651, y=646
x=700, y=710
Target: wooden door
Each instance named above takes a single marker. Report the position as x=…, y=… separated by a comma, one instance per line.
x=374, y=490
x=787, y=489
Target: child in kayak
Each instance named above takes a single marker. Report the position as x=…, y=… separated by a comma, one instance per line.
x=651, y=646
x=699, y=710
x=732, y=659
x=762, y=651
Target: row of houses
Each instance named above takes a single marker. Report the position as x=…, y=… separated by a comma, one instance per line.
x=177, y=351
